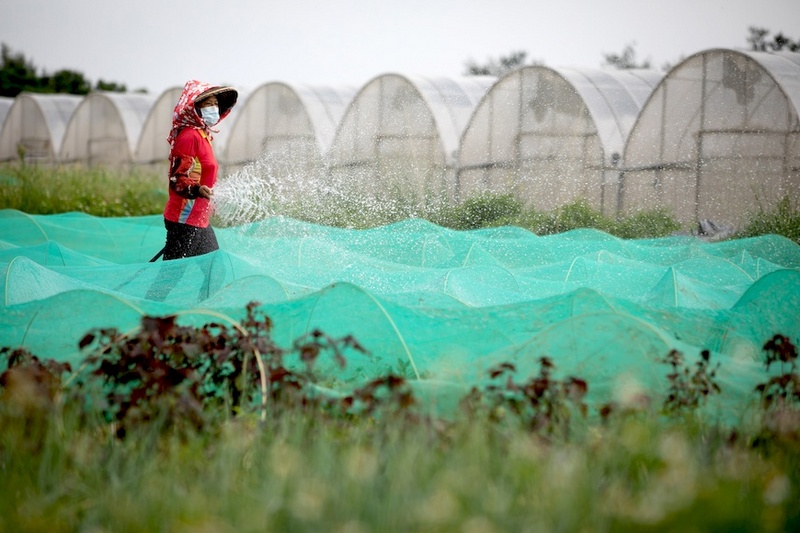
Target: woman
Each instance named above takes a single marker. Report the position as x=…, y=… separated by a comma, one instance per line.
x=192, y=175
x=193, y=168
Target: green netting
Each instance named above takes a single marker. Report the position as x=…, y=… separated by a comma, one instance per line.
x=437, y=305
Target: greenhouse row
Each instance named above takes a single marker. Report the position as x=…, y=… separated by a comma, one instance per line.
x=712, y=138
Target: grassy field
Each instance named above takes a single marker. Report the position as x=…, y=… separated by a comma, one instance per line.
x=302, y=472
x=42, y=189
x=38, y=189
x=122, y=444
x=530, y=457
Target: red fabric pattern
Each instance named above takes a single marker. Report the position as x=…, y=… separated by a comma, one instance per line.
x=192, y=161
x=190, y=148
x=185, y=115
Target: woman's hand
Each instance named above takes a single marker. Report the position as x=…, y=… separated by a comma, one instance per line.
x=204, y=191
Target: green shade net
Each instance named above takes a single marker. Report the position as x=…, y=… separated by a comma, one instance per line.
x=436, y=305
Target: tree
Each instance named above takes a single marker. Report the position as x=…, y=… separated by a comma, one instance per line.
x=757, y=38
x=626, y=59
x=17, y=74
x=112, y=86
x=67, y=81
x=759, y=41
x=500, y=66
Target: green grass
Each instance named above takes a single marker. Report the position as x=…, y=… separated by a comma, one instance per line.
x=304, y=473
x=44, y=189
x=783, y=220
x=315, y=467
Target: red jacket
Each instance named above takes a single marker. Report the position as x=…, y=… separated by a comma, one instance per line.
x=192, y=161
x=193, y=164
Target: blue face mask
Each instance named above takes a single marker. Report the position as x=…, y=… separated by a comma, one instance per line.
x=210, y=114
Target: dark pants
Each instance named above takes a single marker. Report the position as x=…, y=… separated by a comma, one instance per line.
x=187, y=241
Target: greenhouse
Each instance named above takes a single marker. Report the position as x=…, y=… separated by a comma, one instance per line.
x=105, y=129
x=35, y=126
x=400, y=135
x=718, y=138
x=553, y=136
x=152, y=147
x=289, y=126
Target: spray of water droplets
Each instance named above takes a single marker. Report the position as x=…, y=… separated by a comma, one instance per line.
x=258, y=190
x=280, y=185
x=242, y=197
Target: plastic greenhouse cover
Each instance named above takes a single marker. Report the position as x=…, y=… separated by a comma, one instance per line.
x=56, y=110
x=325, y=107
x=40, y=117
x=785, y=70
x=608, y=98
x=223, y=132
x=452, y=102
x=90, y=121
x=437, y=305
x=449, y=102
x=152, y=142
x=5, y=106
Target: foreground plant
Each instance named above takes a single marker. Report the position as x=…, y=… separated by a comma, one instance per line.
x=780, y=395
x=689, y=389
x=184, y=373
x=30, y=385
x=345, y=462
x=541, y=403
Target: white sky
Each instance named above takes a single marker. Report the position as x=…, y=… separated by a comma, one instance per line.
x=158, y=44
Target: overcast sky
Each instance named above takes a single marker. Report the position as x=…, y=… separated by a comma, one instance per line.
x=158, y=44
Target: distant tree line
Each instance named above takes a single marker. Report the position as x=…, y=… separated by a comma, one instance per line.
x=760, y=41
x=759, y=38
x=17, y=74
x=498, y=67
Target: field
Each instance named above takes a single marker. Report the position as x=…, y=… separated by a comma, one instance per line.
x=153, y=435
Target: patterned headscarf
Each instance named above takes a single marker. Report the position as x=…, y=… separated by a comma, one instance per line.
x=185, y=114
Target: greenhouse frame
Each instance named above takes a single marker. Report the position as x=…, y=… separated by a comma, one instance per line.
x=400, y=135
x=105, y=128
x=718, y=139
x=34, y=128
x=552, y=136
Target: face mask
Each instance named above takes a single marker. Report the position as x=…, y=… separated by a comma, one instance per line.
x=210, y=114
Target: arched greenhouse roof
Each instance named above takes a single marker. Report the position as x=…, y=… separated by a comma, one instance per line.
x=35, y=126
x=718, y=139
x=405, y=130
x=287, y=120
x=152, y=146
x=5, y=106
x=549, y=136
x=105, y=128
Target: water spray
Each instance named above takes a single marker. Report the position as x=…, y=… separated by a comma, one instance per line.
x=245, y=196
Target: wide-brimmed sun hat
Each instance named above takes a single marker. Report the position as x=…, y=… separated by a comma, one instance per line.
x=226, y=97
